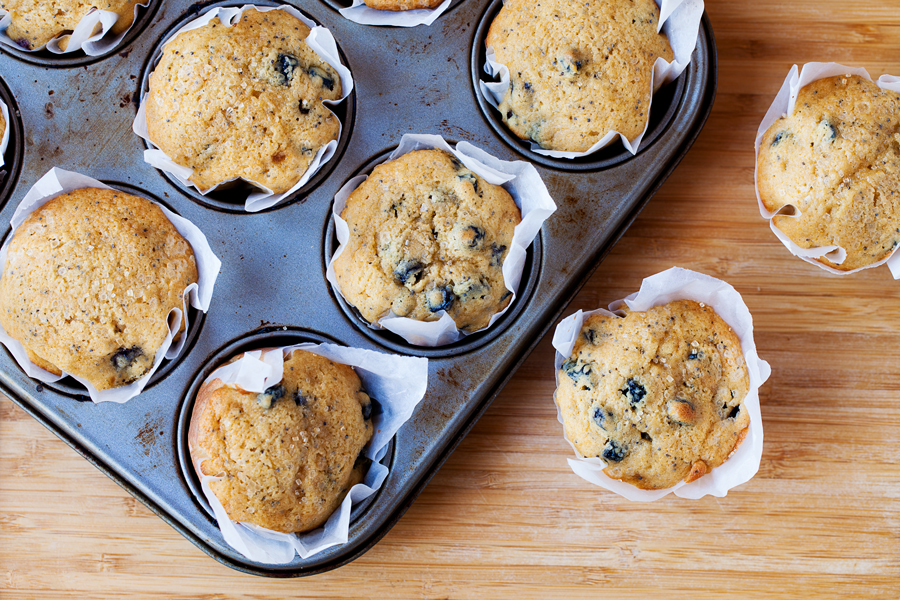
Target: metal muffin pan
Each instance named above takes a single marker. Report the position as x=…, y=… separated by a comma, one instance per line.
x=76, y=113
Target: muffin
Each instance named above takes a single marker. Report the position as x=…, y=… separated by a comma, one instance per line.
x=835, y=164
x=243, y=101
x=658, y=395
x=34, y=24
x=427, y=235
x=286, y=457
x=88, y=283
x=398, y=5
x=577, y=70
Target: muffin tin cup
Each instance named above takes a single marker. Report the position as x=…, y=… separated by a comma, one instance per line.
x=664, y=287
x=783, y=105
x=398, y=383
x=679, y=20
x=57, y=182
x=523, y=183
x=82, y=37
x=320, y=40
x=358, y=12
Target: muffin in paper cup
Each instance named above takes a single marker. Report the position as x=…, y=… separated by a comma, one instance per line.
x=783, y=106
x=321, y=42
x=57, y=182
x=4, y=138
x=520, y=179
x=95, y=33
x=358, y=12
x=662, y=288
x=397, y=383
x=679, y=20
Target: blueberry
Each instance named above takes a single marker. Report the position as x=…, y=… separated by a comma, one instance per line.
x=734, y=412
x=497, y=255
x=614, y=451
x=408, y=271
x=780, y=136
x=124, y=357
x=576, y=370
x=270, y=396
x=831, y=131
x=470, y=177
x=509, y=115
x=473, y=236
x=304, y=107
x=327, y=81
x=599, y=417
x=694, y=355
x=634, y=391
x=439, y=298
x=590, y=335
x=300, y=399
x=527, y=86
x=367, y=411
x=24, y=43
x=285, y=65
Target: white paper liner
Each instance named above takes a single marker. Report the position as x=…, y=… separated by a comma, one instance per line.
x=681, y=284
x=783, y=105
x=4, y=140
x=57, y=182
x=322, y=43
x=678, y=19
x=398, y=383
x=358, y=12
x=518, y=178
x=82, y=37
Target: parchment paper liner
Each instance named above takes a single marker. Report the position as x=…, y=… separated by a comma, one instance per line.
x=678, y=19
x=358, y=12
x=4, y=140
x=784, y=105
x=680, y=284
x=518, y=178
x=322, y=43
x=57, y=182
x=82, y=37
x=398, y=383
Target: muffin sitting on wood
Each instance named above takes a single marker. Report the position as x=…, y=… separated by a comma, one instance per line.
x=657, y=395
x=832, y=168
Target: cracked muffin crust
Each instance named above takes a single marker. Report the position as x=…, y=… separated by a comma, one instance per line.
x=577, y=70
x=35, y=22
x=89, y=280
x=658, y=395
x=398, y=5
x=243, y=101
x=427, y=234
x=836, y=160
x=289, y=455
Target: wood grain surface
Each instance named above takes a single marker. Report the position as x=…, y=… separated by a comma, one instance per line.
x=505, y=517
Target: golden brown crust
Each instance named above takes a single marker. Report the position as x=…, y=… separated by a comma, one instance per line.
x=399, y=5
x=35, y=23
x=89, y=280
x=288, y=456
x=836, y=160
x=243, y=101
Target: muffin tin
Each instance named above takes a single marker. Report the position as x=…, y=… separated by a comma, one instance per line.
x=76, y=113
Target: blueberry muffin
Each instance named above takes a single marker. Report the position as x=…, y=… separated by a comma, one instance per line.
x=243, y=101
x=658, y=395
x=398, y=5
x=89, y=280
x=426, y=235
x=35, y=23
x=578, y=70
x=836, y=161
x=286, y=456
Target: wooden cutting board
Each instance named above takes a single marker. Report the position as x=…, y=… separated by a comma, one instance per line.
x=505, y=517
